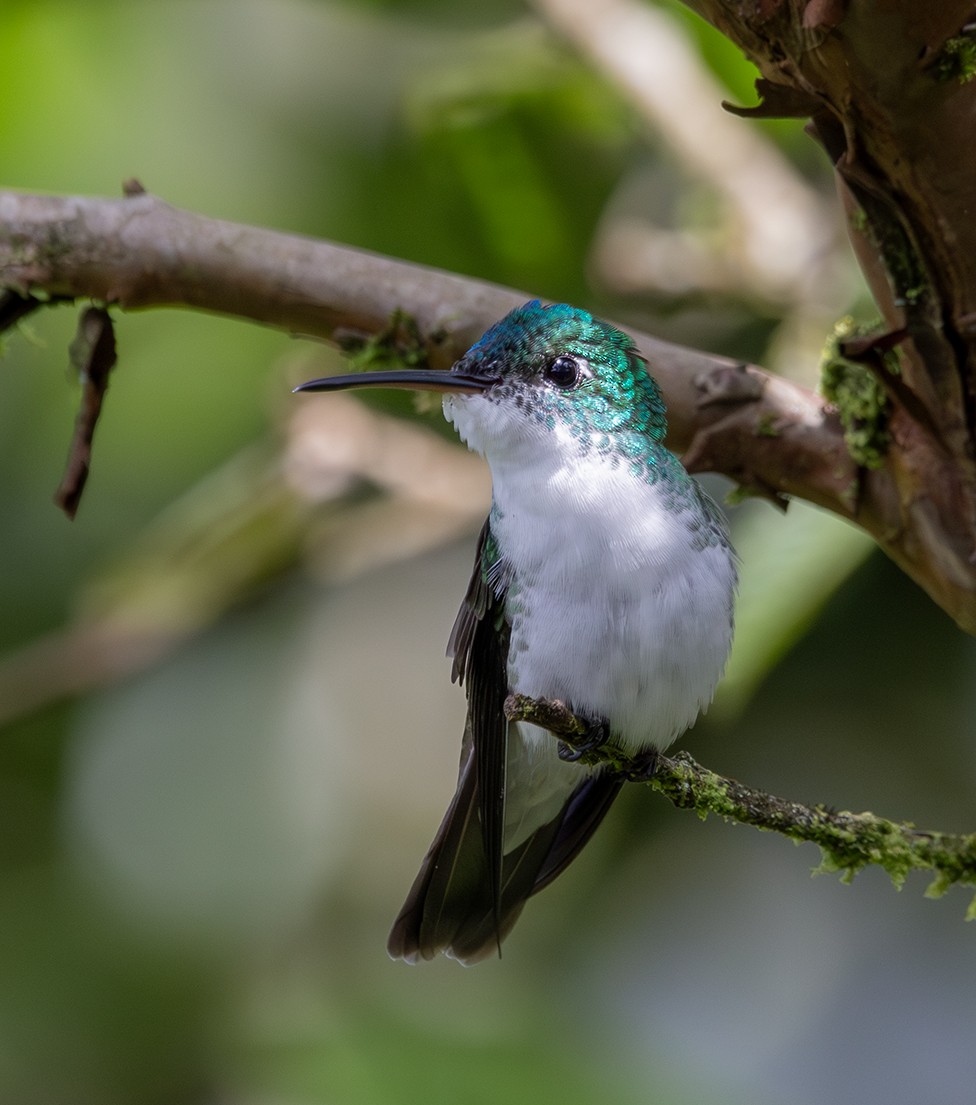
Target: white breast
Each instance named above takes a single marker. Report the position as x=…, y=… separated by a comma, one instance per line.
x=616, y=609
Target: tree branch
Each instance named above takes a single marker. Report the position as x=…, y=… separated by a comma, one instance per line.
x=139, y=252
x=889, y=92
x=769, y=434
x=848, y=841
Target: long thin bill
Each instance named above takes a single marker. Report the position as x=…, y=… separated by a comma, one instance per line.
x=414, y=379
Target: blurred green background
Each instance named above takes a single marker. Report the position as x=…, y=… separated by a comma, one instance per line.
x=229, y=729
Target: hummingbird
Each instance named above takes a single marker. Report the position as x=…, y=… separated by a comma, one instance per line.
x=604, y=580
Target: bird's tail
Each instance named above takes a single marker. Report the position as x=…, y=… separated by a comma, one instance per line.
x=450, y=907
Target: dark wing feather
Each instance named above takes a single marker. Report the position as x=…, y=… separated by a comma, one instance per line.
x=487, y=687
x=452, y=876
x=479, y=645
x=578, y=821
x=474, y=606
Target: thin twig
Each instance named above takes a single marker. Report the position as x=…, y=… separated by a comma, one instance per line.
x=93, y=356
x=15, y=307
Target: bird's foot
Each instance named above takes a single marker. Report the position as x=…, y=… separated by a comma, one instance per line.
x=595, y=735
x=641, y=766
x=580, y=738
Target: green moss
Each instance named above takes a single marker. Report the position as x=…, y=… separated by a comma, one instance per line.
x=956, y=60
x=867, y=839
x=399, y=344
x=848, y=842
x=939, y=885
x=859, y=397
x=893, y=241
x=712, y=796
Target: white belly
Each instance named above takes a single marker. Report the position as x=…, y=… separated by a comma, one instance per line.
x=616, y=608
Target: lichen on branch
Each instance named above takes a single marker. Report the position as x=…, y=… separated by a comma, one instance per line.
x=860, y=399
x=848, y=842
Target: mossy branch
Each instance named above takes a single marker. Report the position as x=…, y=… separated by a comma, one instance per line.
x=848, y=841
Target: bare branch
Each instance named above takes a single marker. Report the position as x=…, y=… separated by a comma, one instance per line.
x=769, y=434
x=139, y=252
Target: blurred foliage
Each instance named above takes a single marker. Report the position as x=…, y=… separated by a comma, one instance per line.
x=221, y=766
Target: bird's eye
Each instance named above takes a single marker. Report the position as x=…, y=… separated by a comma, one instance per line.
x=564, y=372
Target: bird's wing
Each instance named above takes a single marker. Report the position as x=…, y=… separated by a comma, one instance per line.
x=475, y=605
x=461, y=874
x=479, y=646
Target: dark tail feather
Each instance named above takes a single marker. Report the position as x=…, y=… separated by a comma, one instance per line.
x=450, y=907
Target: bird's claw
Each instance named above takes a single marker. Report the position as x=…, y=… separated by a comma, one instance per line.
x=592, y=740
x=642, y=766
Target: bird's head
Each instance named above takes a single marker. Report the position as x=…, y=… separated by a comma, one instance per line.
x=537, y=369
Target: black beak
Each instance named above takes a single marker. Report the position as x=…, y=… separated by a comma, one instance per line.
x=415, y=379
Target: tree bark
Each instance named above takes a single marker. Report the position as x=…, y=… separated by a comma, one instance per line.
x=889, y=91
